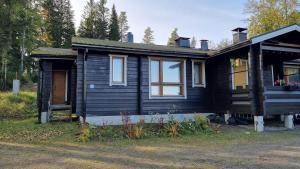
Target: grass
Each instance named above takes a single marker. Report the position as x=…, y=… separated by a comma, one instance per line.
x=55, y=145
x=29, y=131
x=20, y=106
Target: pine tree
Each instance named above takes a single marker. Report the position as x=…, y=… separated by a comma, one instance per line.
x=101, y=22
x=68, y=25
x=123, y=25
x=148, y=36
x=19, y=34
x=193, y=42
x=87, y=24
x=114, y=33
x=174, y=36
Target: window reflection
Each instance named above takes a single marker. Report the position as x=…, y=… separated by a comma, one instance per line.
x=118, y=70
x=171, y=72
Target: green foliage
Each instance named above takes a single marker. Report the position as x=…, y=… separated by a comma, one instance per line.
x=85, y=133
x=59, y=26
x=114, y=33
x=148, y=36
x=269, y=15
x=20, y=106
x=94, y=23
x=140, y=130
x=19, y=35
x=201, y=123
x=123, y=25
x=173, y=37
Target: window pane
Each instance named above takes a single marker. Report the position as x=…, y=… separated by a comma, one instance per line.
x=240, y=75
x=198, y=73
x=292, y=74
x=171, y=71
x=154, y=71
x=171, y=90
x=155, y=90
x=118, y=69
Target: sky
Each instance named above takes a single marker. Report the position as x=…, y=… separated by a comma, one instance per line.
x=205, y=19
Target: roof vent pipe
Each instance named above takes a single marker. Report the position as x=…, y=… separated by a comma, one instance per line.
x=129, y=37
x=239, y=35
x=204, y=44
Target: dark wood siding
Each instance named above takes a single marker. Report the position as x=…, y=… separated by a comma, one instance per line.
x=104, y=100
x=197, y=98
x=79, y=84
x=220, y=84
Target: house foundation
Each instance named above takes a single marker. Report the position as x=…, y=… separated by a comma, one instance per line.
x=259, y=123
x=226, y=117
x=289, y=121
x=44, y=117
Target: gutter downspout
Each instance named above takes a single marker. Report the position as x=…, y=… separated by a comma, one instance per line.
x=85, y=55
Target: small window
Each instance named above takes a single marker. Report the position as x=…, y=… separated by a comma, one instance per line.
x=167, y=78
x=292, y=74
x=239, y=74
x=118, y=70
x=198, y=73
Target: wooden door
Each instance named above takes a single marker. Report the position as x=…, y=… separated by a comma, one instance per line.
x=59, y=87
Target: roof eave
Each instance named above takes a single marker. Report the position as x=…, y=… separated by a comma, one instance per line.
x=270, y=35
x=232, y=48
x=140, y=51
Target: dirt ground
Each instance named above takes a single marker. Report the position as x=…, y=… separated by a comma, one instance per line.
x=241, y=150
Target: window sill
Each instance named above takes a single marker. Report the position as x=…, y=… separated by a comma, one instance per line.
x=202, y=86
x=167, y=97
x=117, y=84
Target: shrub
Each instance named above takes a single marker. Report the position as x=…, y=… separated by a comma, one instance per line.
x=201, y=123
x=173, y=128
x=85, y=133
x=138, y=130
x=20, y=106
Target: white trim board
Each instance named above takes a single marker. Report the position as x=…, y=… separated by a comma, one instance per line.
x=275, y=33
x=167, y=97
x=111, y=83
x=203, y=73
x=117, y=120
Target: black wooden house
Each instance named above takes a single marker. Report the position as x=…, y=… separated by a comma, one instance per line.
x=99, y=79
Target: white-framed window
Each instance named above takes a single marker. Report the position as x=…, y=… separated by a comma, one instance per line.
x=198, y=73
x=118, y=70
x=167, y=78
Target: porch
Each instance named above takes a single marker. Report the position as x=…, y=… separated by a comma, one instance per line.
x=57, y=82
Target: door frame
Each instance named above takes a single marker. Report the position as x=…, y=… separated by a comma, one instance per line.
x=66, y=82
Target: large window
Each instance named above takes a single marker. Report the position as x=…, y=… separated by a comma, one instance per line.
x=292, y=74
x=198, y=73
x=239, y=74
x=167, y=78
x=118, y=70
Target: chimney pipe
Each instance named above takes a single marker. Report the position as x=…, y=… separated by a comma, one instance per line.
x=239, y=35
x=204, y=44
x=130, y=37
x=183, y=42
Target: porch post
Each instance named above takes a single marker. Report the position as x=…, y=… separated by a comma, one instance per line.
x=256, y=86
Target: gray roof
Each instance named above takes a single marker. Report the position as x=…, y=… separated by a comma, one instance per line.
x=77, y=41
